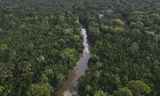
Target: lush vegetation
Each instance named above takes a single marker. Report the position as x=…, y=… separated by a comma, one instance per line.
x=125, y=50
x=36, y=51
x=40, y=41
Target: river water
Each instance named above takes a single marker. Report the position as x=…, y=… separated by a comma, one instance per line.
x=68, y=88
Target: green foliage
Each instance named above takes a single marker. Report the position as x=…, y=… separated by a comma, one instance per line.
x=40, y=90
x=1, y=90
x=3, y=47
x=123, y=92
x=139, y=88
x=134, y=48
x=117, y=22
x=94, y=30
x=40, y=41
x=61, y=18
x=125, y=48
x=68, y=31
x=36, y=47
x=100, y=93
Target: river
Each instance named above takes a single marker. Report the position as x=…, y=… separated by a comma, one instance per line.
x=69, y=86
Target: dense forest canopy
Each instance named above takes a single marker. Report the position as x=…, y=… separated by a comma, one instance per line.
x=40, y=41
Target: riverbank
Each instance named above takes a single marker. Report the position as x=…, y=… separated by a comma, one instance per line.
x=70, y=84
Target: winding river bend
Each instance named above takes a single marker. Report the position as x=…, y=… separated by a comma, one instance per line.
x=68, y=88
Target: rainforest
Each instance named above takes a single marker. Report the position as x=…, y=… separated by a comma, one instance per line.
x=79, y=47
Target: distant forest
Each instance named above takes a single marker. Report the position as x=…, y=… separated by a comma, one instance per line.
x=40, y=42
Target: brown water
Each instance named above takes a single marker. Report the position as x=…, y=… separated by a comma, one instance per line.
x=78, y=71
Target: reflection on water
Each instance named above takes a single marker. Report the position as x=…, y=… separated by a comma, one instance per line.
x=78, y=71
x=82, y=65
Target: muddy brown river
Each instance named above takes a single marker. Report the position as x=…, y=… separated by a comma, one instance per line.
x=68, y=88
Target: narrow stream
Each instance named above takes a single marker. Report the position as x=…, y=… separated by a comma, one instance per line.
x=78, y=70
